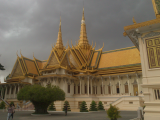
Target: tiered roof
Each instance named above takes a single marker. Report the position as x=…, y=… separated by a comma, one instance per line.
x=82, y=58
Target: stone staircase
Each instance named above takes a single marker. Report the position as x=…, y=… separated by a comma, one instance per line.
x=4, y=101
x=28, y=106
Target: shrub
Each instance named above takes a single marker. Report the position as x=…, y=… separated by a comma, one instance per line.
x=68, y=106
x=2, y=105
x=52, y=107
x=83, y=107
x=113, y=112
x=100, y=106
x=93, y=106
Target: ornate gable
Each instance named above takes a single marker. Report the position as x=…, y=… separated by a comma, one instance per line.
x=17, y=70
x=52, y=60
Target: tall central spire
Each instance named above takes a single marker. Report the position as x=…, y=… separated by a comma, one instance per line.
x=59, y=43
x=83, y=41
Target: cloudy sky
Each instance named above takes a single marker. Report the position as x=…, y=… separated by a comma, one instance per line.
x=32, y=25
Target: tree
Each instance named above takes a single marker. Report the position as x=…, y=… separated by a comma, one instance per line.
x=1, y=67
x=41, y=97
x=100, y=106
x=93, y=106
x=68, y=106
x=83, y=107
x=113, y=112
x=52, y=107
x=2, y=105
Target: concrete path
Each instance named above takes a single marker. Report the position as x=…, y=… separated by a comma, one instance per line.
x=26, y=115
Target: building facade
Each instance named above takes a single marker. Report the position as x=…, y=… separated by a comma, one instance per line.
x=146, y=37
x=85, y=74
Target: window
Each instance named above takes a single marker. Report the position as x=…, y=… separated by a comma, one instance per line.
x=117, y=89
x=74, y=89
x=96, y=89
x=89, y=90
x=68, y=88
x=8, y=90
x=153, y=52
x=93, y=90
x=12, y=90
x=109, y=89
x=16, y=89
x=130, y=102
x=157, y=94
x=85, y=89
x=79, y=104
x=126, y=88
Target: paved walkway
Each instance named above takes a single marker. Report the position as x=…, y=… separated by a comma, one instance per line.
x=26, y=115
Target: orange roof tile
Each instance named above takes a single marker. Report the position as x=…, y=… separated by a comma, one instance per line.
x=31, y=67
x=94, y=58
x=41, y=64
x=125, y=56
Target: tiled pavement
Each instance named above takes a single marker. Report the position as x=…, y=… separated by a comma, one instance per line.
x=26, y=115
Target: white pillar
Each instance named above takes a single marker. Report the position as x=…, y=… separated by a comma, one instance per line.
x=88, y=85
x=128, y=85
x=5, y=93
x=80, y=86
x=138, y=84
x=102, y=84
x=14, y=91
x=91, y=86
x=95, y=86
x=10, y=91
x=18, y=87
x=110, y=85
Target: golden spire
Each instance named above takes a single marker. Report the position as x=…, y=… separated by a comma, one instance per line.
x=83, y=41
x=59, y=43
x=156, y=7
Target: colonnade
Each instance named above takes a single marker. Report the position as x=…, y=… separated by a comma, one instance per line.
x=102, y=84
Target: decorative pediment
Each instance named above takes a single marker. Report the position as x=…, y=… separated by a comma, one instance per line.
x=151, y=34
x=53, y=60
x=135, y=82
x=117, y=84
x=17, y=70
x=126, y=83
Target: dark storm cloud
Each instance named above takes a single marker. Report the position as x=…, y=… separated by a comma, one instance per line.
x=32, y=25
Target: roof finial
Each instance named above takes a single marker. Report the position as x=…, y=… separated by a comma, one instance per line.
x=83, y=14
x=156, y=7
x=134, y=21
x=59, y=43
x=17, y=53
x=33, y=55
x=83, y=41
x=20, y=53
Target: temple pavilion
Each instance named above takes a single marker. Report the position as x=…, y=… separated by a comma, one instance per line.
x=84, y=73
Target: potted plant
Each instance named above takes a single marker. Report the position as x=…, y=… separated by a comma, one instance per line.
x=113, y=113
x=100, y=106
x=68, y=106
x=52, y=107
x=83, y=107
x=93, y=106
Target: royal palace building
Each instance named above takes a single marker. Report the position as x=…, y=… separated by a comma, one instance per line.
x=84, y=73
